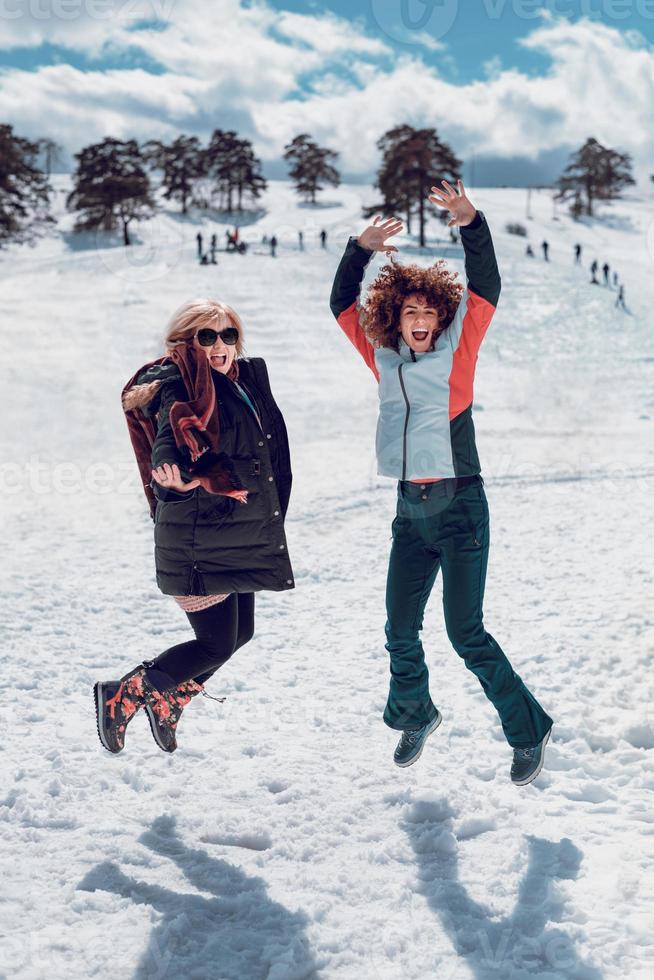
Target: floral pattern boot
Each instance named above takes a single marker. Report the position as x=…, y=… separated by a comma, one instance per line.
x=164, y=709
x=116, y=703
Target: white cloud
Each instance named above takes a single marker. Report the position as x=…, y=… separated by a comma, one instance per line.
x=80, y=25
x=272, y=75
x=328, y=34
x=493, y=66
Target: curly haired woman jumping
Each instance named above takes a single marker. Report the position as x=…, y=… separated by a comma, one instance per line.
x=419, y=332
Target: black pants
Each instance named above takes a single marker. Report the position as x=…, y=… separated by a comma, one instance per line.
x=219, y=631
x=441, y=529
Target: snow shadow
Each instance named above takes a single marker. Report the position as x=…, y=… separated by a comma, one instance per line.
x=524, y=943
x=618, y=222
x=434, y=250
x=237, y=932
x=239, y=219
x=318, y=205
x=91, y=241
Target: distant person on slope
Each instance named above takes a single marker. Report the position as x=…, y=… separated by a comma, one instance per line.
x=593, y=269
x=419, y=332
x=546, y=248
x=577, y=254
x=619, y=300
x=605, y=270
x=212, y=450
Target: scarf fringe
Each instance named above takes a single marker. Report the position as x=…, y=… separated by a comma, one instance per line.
x=195, y=423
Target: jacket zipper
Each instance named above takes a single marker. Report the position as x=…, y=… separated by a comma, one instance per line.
x=194, y=583
x=406, y=420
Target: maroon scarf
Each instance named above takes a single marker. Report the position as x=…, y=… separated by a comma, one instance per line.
x=195, y=424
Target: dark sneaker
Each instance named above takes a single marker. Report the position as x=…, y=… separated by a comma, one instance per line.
x=164, y=709
x=409, y=748
x=116, y=703
x=527, y=763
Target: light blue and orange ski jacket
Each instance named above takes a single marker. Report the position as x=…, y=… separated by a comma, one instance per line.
x=425, y=428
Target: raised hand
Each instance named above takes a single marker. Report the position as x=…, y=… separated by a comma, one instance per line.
x=456, y=202
x=375, y=235
x=169, y=476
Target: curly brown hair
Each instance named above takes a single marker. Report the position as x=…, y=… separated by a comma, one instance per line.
x=380, y=313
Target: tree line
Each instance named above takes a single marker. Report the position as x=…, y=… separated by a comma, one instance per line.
x=113, y=180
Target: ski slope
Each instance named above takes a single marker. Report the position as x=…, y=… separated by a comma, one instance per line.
x=280, y=842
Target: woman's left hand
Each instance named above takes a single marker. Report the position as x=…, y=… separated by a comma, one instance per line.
x=456, y=202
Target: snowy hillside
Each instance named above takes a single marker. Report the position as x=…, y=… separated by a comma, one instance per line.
x=280, y=842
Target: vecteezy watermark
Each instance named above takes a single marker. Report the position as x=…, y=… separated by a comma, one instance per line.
x=650, y=238
x=420, y=499
x=425, y=22
x=156, y=248
x=593, y=9
x=421, y=22
x=39, y=478
x=69, y=10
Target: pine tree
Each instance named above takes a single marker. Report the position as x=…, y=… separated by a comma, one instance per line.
x=51, y=152
x=24, y=189
x=111, y=187
x=247, y=176
x=312, y=166
x=234, y=169
x=595, y=172
x=412, y=161
x=183, y=164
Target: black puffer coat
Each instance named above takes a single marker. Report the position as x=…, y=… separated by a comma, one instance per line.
x=207, y=544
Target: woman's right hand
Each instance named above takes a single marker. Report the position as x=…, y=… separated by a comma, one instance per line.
x=169, y=477
x=375, y=235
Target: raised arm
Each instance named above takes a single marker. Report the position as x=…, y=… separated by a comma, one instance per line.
x=477, y=306
x=481, y=265
x=346, y=291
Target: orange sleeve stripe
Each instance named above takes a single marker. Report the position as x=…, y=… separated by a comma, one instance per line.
x=349, y=323
x=478, y=315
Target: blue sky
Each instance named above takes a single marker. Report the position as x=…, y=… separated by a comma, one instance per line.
x=474, y=31
x=512, y=85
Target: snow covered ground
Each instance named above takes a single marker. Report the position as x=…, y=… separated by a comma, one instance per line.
x=280, y=842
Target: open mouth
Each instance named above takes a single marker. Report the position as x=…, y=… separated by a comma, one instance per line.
x=219, y=360
x=419, y=335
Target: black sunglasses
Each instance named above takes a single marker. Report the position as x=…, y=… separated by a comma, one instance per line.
x=207, y=336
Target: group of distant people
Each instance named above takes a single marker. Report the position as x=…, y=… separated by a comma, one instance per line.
x=323, y=239
x=606, y=269
x=234, y=244
x=209, y=257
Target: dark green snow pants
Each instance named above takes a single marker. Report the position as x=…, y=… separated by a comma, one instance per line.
x=441, y=525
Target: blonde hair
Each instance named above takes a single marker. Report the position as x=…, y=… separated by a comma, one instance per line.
x=191, y=316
